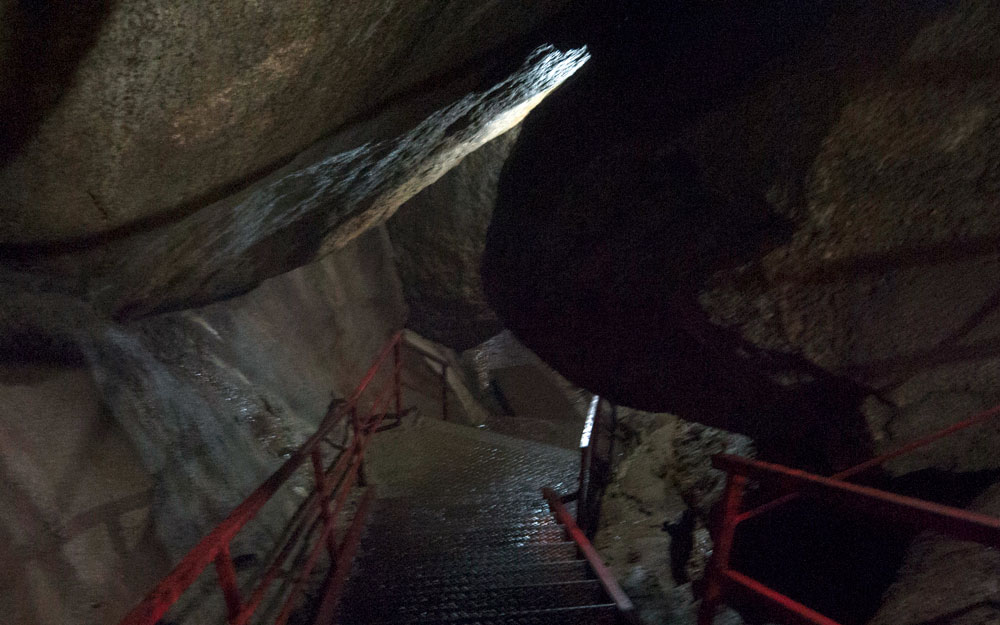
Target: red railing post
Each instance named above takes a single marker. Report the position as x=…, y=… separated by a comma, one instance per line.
x=342, y=565
x=227, y=580
x=319, y=475
x=719, y=564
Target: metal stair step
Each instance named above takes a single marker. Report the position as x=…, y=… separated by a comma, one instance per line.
x=540, y=573
x=485, y=509
x=468, y=540
x=423, y=543
x=414, y=527
x=461, y=559
x=424, y=524
x=597, y=614
x=484, y=512
x=481, y=600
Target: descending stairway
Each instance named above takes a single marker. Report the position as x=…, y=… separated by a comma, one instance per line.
x=460, y=534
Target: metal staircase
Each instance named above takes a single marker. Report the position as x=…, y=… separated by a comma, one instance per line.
x=472, y=540
x=460, y=531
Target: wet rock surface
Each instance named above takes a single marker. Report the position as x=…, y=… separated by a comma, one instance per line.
x=438, y=237
x=524, y=396
x=766, y=224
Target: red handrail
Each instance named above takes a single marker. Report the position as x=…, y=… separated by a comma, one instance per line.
x=963, y=524
x=339, y=477
x=604, y=575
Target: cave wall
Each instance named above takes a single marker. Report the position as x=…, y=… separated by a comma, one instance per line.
x=778, y=219
x=159, y=164
x=439, y=236
x=254, y=373
x=77, y=537
x=945, y=580
x=183, y=415
x=658, y=507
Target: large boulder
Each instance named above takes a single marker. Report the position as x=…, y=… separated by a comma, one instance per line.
x=177, y=155
x=766, y=218
x=439, y=236
x=119, y=112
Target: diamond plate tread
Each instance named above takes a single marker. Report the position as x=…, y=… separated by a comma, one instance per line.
x=506, y=511
x=470, y=541
x=458, y=527
x=483, y=558
x=477, y=601
x=472, y=495
x=509, y=512
x=473, y=463
x=541, y=573
x=585, y=615
x=598, y=614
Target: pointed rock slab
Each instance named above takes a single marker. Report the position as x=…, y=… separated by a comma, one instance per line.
x=151, y=109
x=318, y=202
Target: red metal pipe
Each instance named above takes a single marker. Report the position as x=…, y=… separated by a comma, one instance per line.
x=227, y=580
x=601, y=571
x=793, y=612
x=303, y=577
x=732, y=498
x=956, y=522
x=342, y=566
x=253, y=602
x=343, y=490
x=319, y=478
x=868, y=465
x=311, y=512
x=370, y=375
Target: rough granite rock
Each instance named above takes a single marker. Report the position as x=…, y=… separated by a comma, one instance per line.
x=438, y=237
x=319, y=201
x=946, y=580
x=656, y=509
x=809, y=233
x=123, y=112
x=218, y=395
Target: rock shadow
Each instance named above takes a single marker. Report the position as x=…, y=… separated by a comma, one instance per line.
x=45, y=40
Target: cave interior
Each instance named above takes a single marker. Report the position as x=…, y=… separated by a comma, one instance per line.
x=763, y=231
